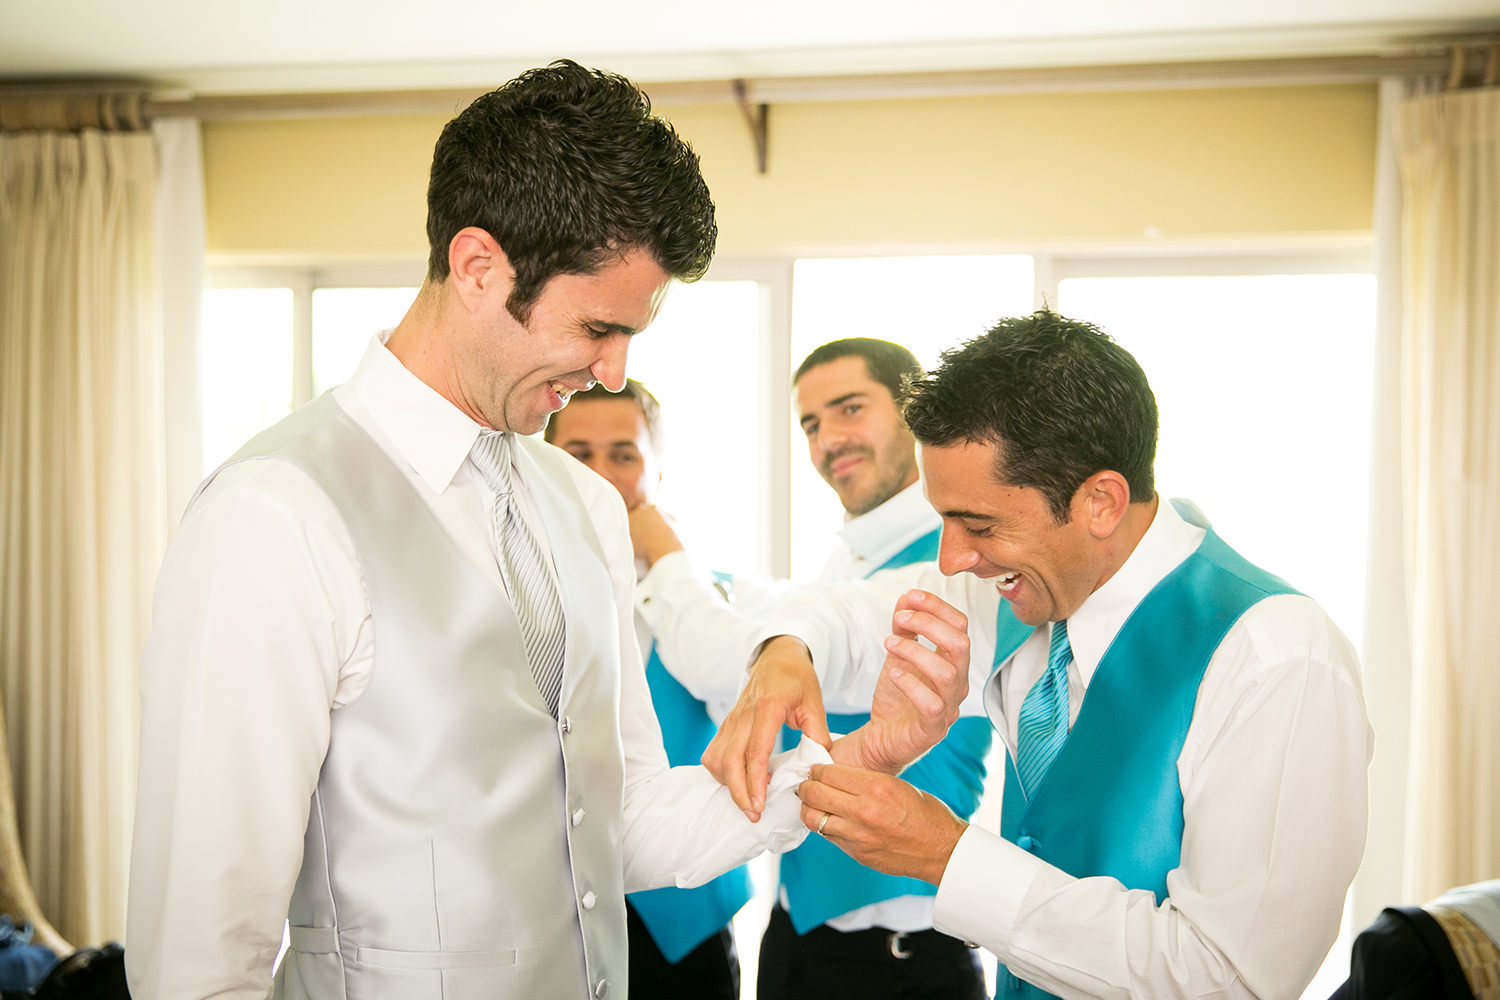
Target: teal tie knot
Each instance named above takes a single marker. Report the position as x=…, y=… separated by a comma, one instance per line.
x=1042, y=728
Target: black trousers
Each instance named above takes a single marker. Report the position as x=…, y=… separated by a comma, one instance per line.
x=712, y=970
x=874, y=964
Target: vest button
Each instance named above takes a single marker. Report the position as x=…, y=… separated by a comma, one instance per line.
x=588, y=900
x=1027, y=844
x=567, y=725
x=1016, y=984
x=577, y=816
x=601, y=987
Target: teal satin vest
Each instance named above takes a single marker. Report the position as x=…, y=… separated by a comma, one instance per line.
x=1111, y=804
x=822, y=881
x=681, y=919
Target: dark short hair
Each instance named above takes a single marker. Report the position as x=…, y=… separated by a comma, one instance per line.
x=892, y=365
x=1059, y=398
x=566, y=167
x=649, y=407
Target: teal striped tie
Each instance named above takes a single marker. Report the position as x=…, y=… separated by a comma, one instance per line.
x=1042, y=728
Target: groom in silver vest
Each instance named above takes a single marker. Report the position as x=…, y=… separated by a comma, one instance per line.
x=1187, y=745
x=391, y=697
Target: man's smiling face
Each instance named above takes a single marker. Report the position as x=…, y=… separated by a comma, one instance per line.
x=856, y=438
x=1008, y=535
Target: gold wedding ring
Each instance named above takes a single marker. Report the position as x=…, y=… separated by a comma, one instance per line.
x=822, y=823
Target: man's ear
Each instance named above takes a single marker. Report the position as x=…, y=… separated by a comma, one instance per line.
x=1104, y=497
x=479, y=269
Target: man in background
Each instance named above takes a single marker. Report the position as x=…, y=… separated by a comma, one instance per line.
x=839, y=928
x=681, y=941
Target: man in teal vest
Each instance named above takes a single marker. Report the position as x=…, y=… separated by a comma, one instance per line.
x=681, y=942
x=1185, y=798
x=839, y=927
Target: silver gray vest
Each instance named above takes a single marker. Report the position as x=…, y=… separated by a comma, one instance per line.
x=462, y=843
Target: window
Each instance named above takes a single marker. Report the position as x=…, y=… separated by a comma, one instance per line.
x=926, y=304
x=1264, y=386
x=245, y=366
x=272, y=339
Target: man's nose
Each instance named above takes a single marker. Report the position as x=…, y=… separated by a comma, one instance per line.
x=955, y=554
x=609, y=369
x=831, y=436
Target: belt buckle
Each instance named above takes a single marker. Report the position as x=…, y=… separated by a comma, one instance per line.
x=896, y=941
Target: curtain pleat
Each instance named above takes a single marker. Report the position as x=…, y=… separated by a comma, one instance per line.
x=82, y=502
x=1448, y=149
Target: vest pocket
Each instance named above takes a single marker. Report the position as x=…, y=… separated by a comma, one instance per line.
x=388, y=959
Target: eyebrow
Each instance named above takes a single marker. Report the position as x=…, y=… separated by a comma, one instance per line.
x=969, y=515
x=846, y=397
x=586, y=443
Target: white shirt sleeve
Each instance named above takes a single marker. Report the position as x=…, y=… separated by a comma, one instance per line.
x=845, y=626
x=1273, y=775
x=258, y=615
x=680, y=825
x=704, y=640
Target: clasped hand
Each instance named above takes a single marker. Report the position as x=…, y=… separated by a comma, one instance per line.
x=916, y=699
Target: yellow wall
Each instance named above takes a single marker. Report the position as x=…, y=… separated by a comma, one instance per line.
x=997, y=172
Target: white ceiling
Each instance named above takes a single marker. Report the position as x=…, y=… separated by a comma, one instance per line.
x=226, y=47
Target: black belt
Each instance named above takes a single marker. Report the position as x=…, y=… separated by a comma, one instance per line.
x=874, y=943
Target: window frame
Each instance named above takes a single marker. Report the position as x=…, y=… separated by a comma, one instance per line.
x=774, y=275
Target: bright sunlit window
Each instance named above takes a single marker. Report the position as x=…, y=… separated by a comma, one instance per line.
x=343, y=322
x=244, y=366
x=1264, y=386
x=701, y=359
x=926, y=304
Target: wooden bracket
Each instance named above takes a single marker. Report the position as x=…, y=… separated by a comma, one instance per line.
x=756, y=118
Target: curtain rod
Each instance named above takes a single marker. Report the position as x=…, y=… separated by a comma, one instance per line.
x=1293, y=71
x=1437, y=61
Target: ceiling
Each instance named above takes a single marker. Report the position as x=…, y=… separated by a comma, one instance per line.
x=209, y=47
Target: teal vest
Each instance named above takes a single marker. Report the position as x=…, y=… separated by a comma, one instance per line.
x=822, y=881
x=1111, y=804
x=681, y=919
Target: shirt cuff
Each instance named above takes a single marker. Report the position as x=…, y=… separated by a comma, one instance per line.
x=783, y=811
x=983, y=886
x=673, y=576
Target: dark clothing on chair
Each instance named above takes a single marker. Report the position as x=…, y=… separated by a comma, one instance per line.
x=1403, y=955
x=825, y=964
x=22, y=963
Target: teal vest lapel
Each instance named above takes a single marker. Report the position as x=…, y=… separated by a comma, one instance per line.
x=681, y=919
x=822, y=881
x=1111, y=804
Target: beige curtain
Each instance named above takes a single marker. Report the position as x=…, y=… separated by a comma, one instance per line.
x=82, y=510
x=1448, y=151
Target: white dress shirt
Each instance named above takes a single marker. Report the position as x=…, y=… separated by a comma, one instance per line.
x=262, y=628
x=1273, y=777
x=704, y=640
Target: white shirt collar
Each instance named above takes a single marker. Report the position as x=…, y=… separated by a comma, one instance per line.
x=423, y=427
x=1167, y=542
x=877, y=535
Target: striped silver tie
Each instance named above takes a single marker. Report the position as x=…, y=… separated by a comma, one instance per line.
x=523, y=567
